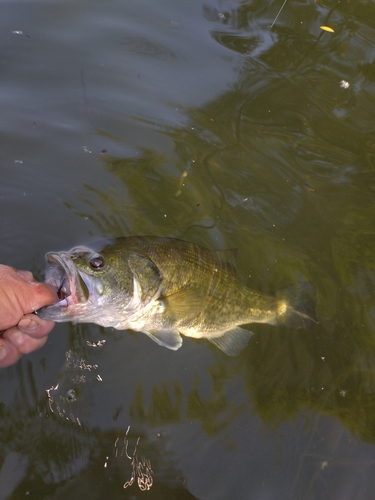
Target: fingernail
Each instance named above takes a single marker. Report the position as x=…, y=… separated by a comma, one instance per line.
x=28, y=325
x=3, y=352
x=27, y=275
x=16, y=337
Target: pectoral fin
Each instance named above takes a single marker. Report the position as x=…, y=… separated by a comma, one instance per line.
x=166, y=338
x=233, y=341
x=185, y=303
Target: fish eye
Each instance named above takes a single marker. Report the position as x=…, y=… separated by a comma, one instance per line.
x=97, y=262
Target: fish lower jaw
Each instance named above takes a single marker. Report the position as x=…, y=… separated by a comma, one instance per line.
x=62, y=303
x=66, y=302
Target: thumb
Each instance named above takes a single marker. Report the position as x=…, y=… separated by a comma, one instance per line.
x=40, y=294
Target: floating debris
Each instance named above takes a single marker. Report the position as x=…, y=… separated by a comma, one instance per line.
x=181, y=183
x=344, y=84
x=324, y=465
x=277, y=15
x=327, y=28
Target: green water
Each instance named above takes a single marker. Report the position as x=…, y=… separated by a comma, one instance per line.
x=194, y=120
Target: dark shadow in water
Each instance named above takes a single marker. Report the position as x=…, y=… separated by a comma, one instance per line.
x=56, y=454
x=282, y=166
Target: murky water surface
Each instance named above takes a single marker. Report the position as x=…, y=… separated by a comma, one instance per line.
x=212, y=122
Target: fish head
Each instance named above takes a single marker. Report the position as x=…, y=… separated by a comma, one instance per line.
x=88, y=283
x=106, y=284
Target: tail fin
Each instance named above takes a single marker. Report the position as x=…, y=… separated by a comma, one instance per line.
x=297, y=305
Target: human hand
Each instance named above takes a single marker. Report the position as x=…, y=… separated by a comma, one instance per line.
x=20, y=331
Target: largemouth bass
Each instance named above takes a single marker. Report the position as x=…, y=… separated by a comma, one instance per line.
x=166, y=288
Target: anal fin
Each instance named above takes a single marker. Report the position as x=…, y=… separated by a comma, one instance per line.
x=233, y=341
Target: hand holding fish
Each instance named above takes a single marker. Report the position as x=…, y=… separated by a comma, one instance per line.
x=20, y=331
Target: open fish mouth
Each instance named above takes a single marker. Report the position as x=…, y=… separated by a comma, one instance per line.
x=63, y=275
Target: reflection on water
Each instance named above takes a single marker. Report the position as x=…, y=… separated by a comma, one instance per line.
x=165, y=406
x=277, y=162
x=59, y=449
x=60, y=396
x=143, y=46
x=141, y=468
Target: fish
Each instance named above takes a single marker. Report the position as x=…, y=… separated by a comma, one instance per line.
x=168, y=288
